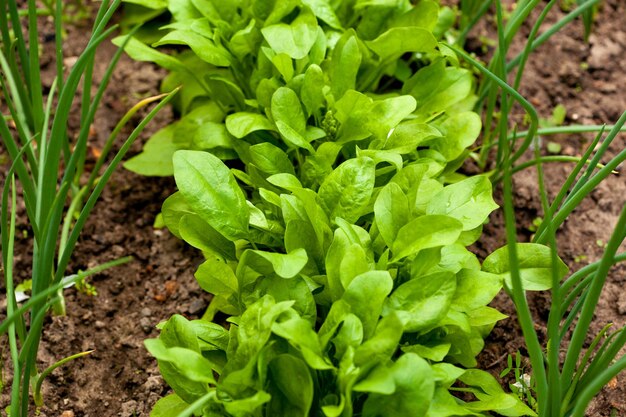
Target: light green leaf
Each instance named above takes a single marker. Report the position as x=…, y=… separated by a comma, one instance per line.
x=284, y=265
x=535, y=266
x=156, y=157
x=422, y=302
x=475, y=289
x=203, y=47
x=216, y=277
x=391, y=211
x=399, y=40
x=142, y=52
x=406, y=137
x=270, y=159
x=366, y=294
x=425, y=232
x=169, y=406
x=243, y=123
x=346, y=192
x=415, y=387
x=291, y=387
x=324, y=11
x=212, y=192
x=459, y=131
x=344, y=65
x=201, y=235
x=295, y=39
x=289, y=117
x=312, y=90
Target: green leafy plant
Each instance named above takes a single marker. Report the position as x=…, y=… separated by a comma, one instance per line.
x=316, y=164
x=48, y=167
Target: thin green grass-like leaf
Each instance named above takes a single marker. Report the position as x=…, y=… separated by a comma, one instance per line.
x=91, y=201
x=593, y=182
x=591, y=301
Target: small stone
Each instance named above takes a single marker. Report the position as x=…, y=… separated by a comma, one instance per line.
x=196, y=306
x=67, y=413
x=146, y=325
x=100, y=324
x=146, y=312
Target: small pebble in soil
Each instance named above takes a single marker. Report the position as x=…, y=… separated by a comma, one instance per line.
x=196, y=306
x=100, y=324
x=146, y=325
x=146, y=312
x=67, y=413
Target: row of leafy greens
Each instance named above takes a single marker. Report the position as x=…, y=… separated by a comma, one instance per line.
x=316, y=163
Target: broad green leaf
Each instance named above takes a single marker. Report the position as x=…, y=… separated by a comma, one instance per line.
x=201, y=235
x=183, y=10
x=425, y=232
x=435, y=353
x=142, y=52
x=212, y=192
x=203, y=47
x=185, y=370
x=216, y=277
x=295, y=289
x=379, y=381
x=535, y=266
x=459, y=131
x=365, y=295
x=346, y=192
x=174, y=208
x=284, y=65
x=213, y=137
x=150, y=4
x=312, y=90
x=301, y=335
x=169, y=406
x=295, y=39
x=391, y=211
x=270, y=159
x=383, y=344
x=344, y=65
x=422, y=302
x=324, y=11
x=437, y=88
x=491, y=395
x=284, y=265
x=254, y=330
x=485, y=316
x=242, y=124
x=156, y=157
x=406, y=137
x=415, y=387
x=289, y=118
x=475, y=289
x=397, y=41
x=353, y=114
x=246, y=406
x=291, y=387
x=456, y=257
x=387, y=114
x=245, y=41
x=424, y=14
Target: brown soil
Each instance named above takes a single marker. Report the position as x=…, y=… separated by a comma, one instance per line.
x=121, y=379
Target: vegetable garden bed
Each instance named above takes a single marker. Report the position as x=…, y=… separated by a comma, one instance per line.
x=120, y=378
